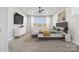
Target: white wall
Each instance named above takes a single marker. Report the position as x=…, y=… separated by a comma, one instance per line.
x=73, y=19
x=50, y=22
x=55, y=16
x=4, y=29
x=72, y=16
x=10, y=23
x=11, y=12
x=28, y=24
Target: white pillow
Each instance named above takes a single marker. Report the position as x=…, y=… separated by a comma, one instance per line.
x=61, y=28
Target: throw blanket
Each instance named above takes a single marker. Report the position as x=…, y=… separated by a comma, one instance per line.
x=46, y=32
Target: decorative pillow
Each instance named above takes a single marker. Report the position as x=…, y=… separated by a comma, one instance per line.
x=46, y=32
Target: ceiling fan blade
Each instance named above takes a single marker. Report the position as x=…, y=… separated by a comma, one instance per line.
x=39, y=7
x=40, y=10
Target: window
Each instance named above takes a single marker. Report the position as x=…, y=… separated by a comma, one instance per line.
x=38, y=23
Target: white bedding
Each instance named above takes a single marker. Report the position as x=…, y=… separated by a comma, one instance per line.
x=52, y=35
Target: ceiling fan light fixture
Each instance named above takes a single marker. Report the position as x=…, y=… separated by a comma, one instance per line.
x=40, y=9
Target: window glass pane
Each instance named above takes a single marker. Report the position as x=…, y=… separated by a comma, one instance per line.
x=40, y=21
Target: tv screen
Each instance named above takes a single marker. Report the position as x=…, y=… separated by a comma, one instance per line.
x=18, y=19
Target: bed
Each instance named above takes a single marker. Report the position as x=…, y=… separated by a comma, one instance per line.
x=55, y=33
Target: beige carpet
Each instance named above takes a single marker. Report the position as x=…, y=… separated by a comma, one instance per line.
x=28, y=44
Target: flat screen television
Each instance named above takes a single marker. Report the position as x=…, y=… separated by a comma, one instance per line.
x=18, y=19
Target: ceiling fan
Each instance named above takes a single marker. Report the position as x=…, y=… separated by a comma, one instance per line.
x=40, y=9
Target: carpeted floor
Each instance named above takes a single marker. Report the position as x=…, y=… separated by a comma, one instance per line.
x=28, y=44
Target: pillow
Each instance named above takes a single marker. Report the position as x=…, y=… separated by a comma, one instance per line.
x=46, y=32
x=61, y=28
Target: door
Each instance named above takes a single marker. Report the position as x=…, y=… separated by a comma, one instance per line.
x=3, y=29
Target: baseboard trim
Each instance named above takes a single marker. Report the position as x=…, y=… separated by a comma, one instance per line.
x=75, y=42
x=8, y=41
x=11, y=38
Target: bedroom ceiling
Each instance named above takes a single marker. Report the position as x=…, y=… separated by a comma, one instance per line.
x=34, y=10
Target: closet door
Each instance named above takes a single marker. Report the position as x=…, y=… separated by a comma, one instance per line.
x=3, y=29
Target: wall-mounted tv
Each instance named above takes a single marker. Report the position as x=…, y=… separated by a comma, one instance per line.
x=18, y=19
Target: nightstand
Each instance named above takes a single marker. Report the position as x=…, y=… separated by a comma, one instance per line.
x=67, y=37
